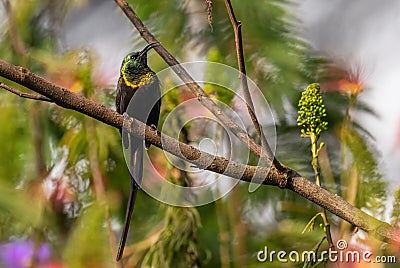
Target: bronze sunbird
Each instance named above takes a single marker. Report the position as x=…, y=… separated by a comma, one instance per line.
x=139, y=95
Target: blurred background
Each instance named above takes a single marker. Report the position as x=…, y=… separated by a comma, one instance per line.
x=63, y=179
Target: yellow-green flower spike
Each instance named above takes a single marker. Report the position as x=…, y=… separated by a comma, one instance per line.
x=312, y=111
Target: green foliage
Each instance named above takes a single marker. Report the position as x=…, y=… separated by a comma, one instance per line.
x=395, y=217
x=371, y=187
x=174, y=25
x=176, y=245
x=87, y=244
x=16, y=144
x=13, y=208
x=220, y=93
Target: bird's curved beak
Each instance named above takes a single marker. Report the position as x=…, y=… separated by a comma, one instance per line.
x=144, y=50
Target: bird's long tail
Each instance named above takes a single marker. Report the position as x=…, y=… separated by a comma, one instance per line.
x=136, y=171
x=129, y=211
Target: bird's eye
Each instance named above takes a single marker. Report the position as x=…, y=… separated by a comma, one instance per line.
x=132, y=57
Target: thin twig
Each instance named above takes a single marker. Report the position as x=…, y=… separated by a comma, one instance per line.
x=25, y=95
x=237, y=28
x=202, y=97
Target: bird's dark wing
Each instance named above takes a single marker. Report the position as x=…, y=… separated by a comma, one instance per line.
x=145, y=102
x=122, y=100
x=155, y=96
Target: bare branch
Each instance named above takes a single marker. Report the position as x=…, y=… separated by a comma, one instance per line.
x=272, y=176
x=237, y=28
x=25, y=95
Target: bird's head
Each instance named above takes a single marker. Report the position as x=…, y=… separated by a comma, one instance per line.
x=134, y=66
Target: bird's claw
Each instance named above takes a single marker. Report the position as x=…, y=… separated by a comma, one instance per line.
x=153, y=127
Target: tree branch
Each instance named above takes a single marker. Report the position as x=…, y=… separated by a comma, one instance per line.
x=272, y=176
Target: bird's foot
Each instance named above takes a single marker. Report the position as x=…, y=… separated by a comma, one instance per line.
x=147, y=144
x=153, y=127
